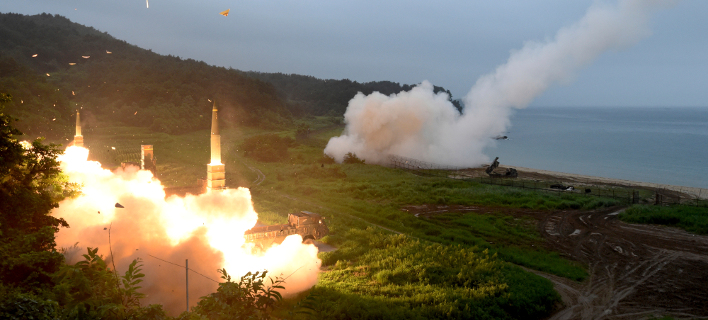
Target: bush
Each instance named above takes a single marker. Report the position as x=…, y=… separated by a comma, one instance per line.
x=352, y=158
x=250, y=298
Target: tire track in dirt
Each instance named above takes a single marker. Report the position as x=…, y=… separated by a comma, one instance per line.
x=636, y=271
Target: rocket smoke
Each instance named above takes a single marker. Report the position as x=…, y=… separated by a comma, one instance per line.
x=426, y=126
x=163, y=231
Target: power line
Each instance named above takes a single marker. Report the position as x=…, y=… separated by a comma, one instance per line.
x=184, y=267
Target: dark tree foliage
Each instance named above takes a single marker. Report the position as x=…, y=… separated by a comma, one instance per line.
x=30, y=186
x=128, y=86
x=136, y=87
x=352, y=158
x=307, y=95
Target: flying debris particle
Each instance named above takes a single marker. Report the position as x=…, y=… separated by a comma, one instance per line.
x=54, y=119
x=108, y=52
x=34, y=55
x=72, y=63
x=72, y=93
x=99, y=212
x=118, y=205
x=147, y=4
x=105, y=228
x=225, y=13
x=209, y=100
x=113, y=148
x=48, y=75
x=135, y=113
x=86, y=57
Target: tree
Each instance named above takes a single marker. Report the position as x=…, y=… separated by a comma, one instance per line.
x=31, y=185
x=352, y=158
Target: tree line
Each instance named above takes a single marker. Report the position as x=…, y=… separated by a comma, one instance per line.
x=54, y=67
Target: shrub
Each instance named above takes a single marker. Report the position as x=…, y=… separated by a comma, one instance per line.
x=250, y=298
x=352, y=158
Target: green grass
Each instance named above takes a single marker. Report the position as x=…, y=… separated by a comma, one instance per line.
x=689, y=218
x=375, y=275
x=451, y=265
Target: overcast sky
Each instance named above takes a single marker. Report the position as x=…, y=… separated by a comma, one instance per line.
x=450, y=43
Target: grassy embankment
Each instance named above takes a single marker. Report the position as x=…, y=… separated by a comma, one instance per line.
x=689, y=218
x=448, y=265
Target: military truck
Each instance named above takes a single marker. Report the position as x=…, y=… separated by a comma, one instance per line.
x=309, y=225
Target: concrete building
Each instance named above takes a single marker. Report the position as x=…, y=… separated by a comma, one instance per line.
x=78, y=138
x=216, y=174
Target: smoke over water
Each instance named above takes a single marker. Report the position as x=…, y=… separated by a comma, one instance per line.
x=422, y=125
x=207, y=229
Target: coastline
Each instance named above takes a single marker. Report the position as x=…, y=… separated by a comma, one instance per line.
x=691, y=191
x=539, y=174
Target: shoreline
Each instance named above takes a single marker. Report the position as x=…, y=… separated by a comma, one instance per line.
x=691, y=191
x=537, y=174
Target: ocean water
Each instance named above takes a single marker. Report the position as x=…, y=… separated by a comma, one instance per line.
x=649, y=144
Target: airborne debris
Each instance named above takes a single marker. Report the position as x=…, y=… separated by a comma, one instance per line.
x=34, y=55
x=147, y=4
x=72, y=63
x=86, y=57
x=48, y=75
x=72, y=93
x=108, y=52
x=225, y=13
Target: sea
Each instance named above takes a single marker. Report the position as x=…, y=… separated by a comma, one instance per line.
x=665, y=145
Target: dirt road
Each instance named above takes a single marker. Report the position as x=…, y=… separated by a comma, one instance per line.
x=636, y=271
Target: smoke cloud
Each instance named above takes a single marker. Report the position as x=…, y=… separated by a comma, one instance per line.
x=423, y=125
x=207, y=229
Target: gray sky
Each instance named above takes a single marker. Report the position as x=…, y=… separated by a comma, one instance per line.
x=450, y=43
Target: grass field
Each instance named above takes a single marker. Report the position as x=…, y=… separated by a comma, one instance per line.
x=689, y=218
x=450, y=265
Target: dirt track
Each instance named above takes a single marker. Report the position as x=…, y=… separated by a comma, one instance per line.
x=635, y=270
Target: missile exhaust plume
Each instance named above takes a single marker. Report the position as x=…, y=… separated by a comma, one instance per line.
x=423, y=125
x=207, y=229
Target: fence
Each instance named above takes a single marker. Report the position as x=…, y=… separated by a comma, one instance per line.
x=627, y=194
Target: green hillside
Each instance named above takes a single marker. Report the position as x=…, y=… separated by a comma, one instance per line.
x=118, y=84
x=310, y=95
x=52, y=66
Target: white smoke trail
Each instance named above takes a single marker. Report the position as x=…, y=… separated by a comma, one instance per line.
x=207, y=229
x=423, y=125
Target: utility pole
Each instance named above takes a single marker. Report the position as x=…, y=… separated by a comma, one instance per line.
x=186, y=274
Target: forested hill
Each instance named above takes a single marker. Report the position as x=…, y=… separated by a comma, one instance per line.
x=115, y=83
x=52, y=66
x=310, y=95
